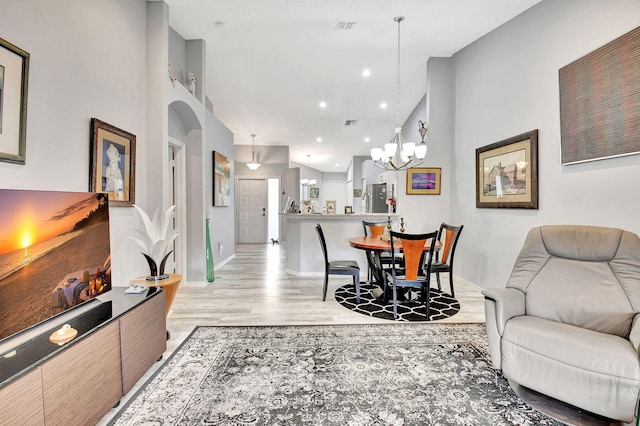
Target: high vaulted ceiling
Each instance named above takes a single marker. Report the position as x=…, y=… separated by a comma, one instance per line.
x=271, y=62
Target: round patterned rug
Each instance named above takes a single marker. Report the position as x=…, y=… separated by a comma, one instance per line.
x=441, y=304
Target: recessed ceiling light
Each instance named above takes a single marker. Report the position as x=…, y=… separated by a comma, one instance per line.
x=318, y=139
x=337, y=164
x=323, y=104
x=366, y=72
x=383, y=105
x=367, y=139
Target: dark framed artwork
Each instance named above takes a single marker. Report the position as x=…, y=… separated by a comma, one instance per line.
x=600, y=102
x=221, y=180
x=423, y=180
x=507, y=173
x=314, y=192
x=113, y=163
x=14, y=79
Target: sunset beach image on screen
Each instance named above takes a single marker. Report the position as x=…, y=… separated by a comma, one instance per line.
x=54, y=254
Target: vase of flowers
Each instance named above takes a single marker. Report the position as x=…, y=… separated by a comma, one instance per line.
x=155, y=240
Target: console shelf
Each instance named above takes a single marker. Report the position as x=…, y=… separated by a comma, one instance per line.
x=79, y=382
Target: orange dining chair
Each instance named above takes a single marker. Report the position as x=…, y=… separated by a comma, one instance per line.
x=413, y=249
x=337, y=267
x=376, y=229
x=444, y=259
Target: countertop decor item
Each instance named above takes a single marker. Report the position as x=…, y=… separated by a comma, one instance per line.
x=155, y=240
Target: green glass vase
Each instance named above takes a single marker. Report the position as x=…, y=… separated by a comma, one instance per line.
x=209, y=255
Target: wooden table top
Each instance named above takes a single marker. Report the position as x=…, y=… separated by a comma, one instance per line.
x=381, y=244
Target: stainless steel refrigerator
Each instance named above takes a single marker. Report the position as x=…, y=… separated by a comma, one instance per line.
x=375, y=198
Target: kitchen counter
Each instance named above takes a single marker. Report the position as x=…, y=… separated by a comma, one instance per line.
x=304, y=254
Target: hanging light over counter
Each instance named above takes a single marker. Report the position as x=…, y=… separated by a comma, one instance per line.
x=253, y=165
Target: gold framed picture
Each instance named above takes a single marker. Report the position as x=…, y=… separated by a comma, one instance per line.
x=423, y=181
x=331, y=206
x=113, y=163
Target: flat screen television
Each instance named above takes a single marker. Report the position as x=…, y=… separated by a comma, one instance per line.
x=54, y=254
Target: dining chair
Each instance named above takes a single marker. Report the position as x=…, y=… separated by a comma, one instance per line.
x=337, y=267
x=376, y=229
x=444, y=258
x=415, y=255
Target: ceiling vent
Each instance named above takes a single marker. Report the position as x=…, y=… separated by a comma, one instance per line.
x=343, y=25
x=350, y=122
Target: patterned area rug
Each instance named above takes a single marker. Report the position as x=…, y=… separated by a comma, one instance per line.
x=441, y=304
x=390, y=374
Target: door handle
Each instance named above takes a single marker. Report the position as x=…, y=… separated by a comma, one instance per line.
x=263, y=211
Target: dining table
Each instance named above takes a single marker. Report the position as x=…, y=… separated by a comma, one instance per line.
x=374, y=246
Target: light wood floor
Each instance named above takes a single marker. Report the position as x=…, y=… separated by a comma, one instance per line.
x=253, y=289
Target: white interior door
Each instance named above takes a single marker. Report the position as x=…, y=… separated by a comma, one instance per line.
x=252, y=211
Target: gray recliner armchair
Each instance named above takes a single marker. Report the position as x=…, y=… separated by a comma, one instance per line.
x=566, y=325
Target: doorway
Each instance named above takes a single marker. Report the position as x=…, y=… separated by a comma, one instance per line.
x=177, y=197
x=252, y=211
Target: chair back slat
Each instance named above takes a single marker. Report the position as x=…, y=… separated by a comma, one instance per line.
x=412, y=256
x=448, y=242
x=413, y=247
x=374, y=229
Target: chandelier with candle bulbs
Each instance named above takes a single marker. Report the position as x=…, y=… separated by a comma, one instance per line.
x=397, y=154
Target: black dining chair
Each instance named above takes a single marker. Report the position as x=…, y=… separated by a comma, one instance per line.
x=337, y=267
x=415, y=255
x=444, y=258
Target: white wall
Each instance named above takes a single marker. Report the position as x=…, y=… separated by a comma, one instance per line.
x=87, y=60
x=507, y=83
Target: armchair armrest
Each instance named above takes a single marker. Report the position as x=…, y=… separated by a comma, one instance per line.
x=500, y=304
x=634, y=335
x=507, y=303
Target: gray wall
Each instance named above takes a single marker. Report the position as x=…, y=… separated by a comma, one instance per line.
x=219, y=138
x=76, y=72
x=506, y=83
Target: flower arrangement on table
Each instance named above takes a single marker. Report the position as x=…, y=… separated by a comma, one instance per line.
x=391, y=202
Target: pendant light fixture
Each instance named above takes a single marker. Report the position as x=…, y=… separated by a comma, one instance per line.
x=308, y=182
x=397, y=154
x=253, y=165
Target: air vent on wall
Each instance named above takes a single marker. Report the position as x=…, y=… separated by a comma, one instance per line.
x=342, y=25
x=350, y=122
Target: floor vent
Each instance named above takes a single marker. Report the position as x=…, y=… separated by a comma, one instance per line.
x=350, y=122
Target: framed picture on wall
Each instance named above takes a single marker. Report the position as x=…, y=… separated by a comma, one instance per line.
x=507, y=173
x=113, y=163
x=14, y=76
x=423, y=181
x=221, y=180
x=314, y=192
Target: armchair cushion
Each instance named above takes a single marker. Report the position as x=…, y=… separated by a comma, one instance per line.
x=569, y=363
